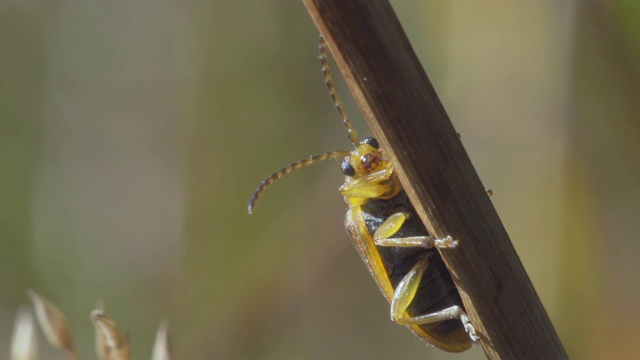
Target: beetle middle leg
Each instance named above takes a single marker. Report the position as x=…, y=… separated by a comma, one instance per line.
x=384, y=233
x=405, y=293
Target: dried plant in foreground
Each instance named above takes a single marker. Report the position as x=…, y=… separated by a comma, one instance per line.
x=111, y=343
x=162, y=348
x=23, y=344
x=54, y=324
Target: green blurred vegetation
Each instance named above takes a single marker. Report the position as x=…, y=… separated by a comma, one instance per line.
x=133, y=133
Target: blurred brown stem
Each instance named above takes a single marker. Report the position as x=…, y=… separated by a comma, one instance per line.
x=403, y=110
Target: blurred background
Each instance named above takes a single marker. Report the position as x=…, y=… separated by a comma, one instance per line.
x=132, y=135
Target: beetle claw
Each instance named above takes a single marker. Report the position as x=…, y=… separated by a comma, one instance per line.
x=446, y=243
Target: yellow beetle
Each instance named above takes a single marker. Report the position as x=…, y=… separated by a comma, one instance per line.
x=392, y=241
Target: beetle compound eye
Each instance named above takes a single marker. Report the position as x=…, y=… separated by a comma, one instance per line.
x=347, y=169
x=373, y=142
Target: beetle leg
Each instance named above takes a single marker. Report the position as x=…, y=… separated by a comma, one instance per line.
x=367, y=190
x=369, y=186
x=384, y=233
x=375, y=177
x=405, y=293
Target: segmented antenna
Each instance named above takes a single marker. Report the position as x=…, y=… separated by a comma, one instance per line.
x=289, y=168
x=328, y=80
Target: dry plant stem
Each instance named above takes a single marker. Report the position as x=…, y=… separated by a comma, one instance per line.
x=401, y=106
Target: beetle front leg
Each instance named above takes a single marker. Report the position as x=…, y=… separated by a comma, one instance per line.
x=405, y=293
x=384, y=233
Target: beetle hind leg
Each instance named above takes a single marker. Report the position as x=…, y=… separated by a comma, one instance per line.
x=384, y=233
x=405, y=293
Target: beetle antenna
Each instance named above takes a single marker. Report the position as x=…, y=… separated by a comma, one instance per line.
x=289, y=168
x=328, y=80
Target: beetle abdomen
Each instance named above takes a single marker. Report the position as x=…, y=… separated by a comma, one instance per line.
x=437, y=290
